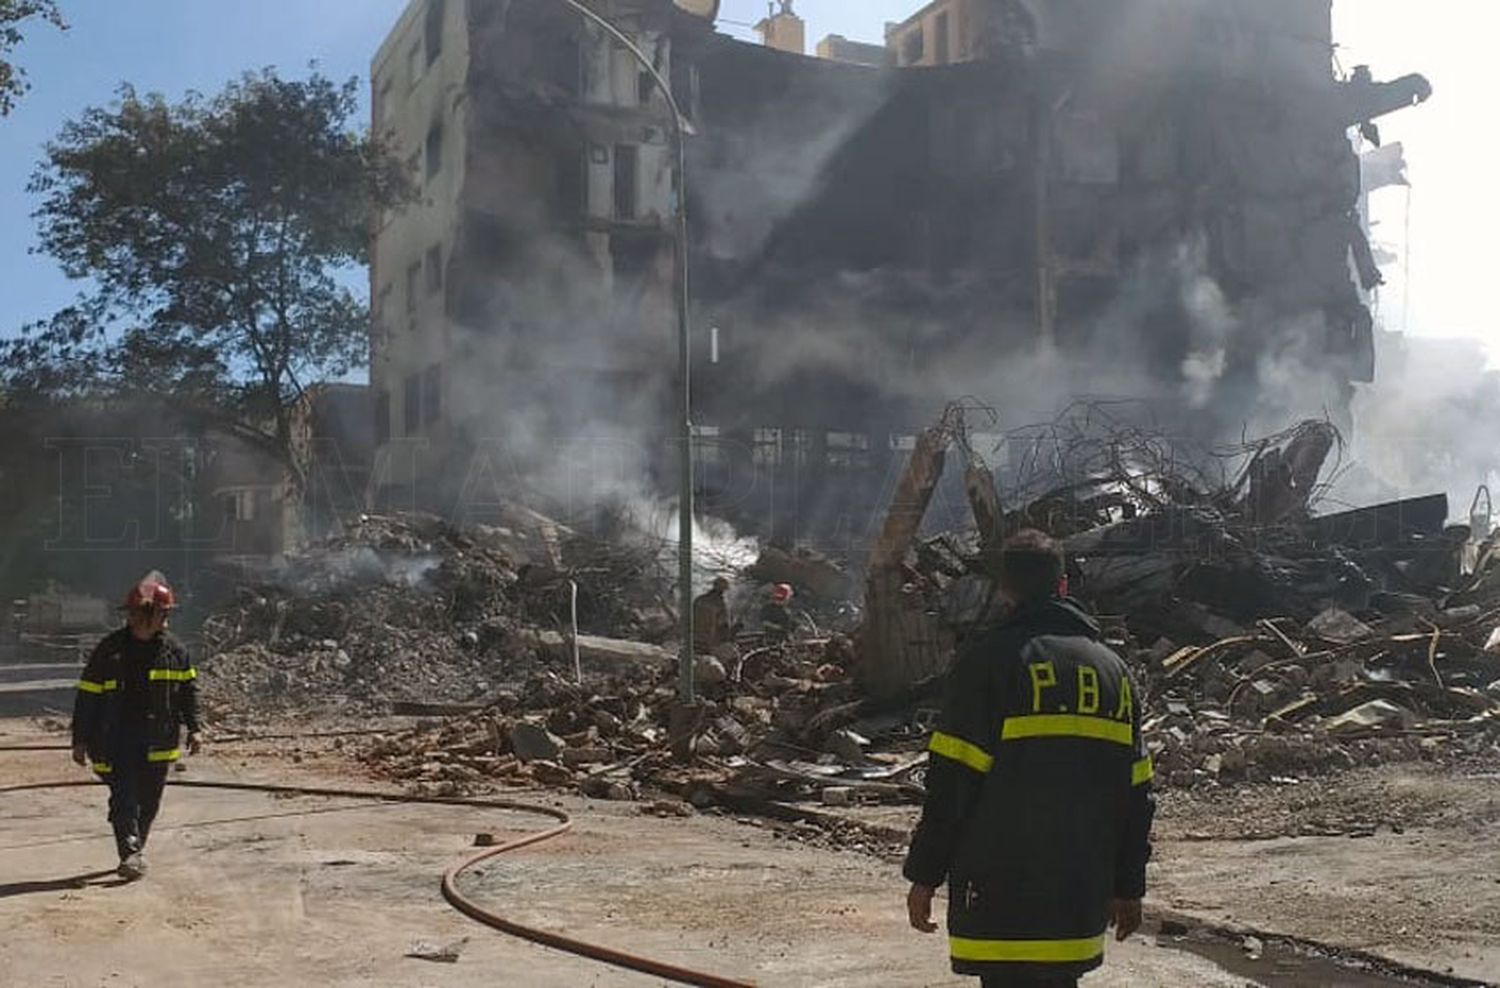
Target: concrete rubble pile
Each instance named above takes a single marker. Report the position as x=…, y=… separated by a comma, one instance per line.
x=775, y=721
x=623, y=735
x=1273, y=642
x=411, y=610
x=470, y=630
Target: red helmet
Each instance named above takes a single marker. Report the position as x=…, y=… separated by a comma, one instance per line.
x=782, y=592
x=151, y=592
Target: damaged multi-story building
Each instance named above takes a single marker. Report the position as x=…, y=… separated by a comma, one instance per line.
x=1020, y=200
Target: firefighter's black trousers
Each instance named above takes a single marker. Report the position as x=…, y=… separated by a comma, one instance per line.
x=1035, y=981
x=135, y=787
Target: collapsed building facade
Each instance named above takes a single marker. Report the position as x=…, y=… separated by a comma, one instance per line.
x=1159, y=198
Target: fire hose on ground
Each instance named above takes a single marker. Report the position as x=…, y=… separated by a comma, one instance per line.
x=562, y=825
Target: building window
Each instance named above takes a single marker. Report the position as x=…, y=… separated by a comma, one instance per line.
x=627, y=178
x=413, y=285
x=434, y=150
x=239, y=506
x=645, y=86
x=848, y=451
x=382, y=311
x=796, y=447
x=432, y=394
x=709, y=448
x=414, y=63
x=434, y=31
x=411, y=411
x=382, y=418
x=566, y=66
x=434, y=266
x=572, y=190
x=913, y=46
x=633, y=260
x=385, y=102
x=942, y=39
x=765, y=448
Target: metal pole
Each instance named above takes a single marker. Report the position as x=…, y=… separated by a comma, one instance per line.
x=573, y=615
x=1046, y=275
x=686, y=688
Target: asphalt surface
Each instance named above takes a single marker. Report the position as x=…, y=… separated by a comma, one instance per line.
x=37, y=688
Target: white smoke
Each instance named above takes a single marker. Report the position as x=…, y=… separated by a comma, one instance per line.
x=1212, y=321
x=1425, y=425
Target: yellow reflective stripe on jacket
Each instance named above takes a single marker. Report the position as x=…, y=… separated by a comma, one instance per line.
x=1066, y=726
x=173, y=675
x=88, y=686
x=961, y=751
x=1027, y=951
x=164, y=755
x=1142, y=772
x=103, y=768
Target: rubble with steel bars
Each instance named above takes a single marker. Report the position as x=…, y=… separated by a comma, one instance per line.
x=407, y=611
x=1273, y=640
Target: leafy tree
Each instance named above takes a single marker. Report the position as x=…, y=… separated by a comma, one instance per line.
x=12, y=13
x=214, y=232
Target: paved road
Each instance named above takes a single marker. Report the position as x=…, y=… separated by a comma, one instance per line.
x=247, y=890
x=37, y=688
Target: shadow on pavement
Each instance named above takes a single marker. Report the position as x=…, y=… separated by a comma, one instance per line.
x=53, y=702
x=9, y=889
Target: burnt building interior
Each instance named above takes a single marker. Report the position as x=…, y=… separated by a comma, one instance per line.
x=1161, y=186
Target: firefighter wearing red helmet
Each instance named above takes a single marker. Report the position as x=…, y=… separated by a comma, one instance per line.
x=136, y=695
x=776, y=615
x=151, y=592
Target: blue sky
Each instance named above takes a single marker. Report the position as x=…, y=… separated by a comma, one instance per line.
x=168, y=46
x=175, y=45
x=172, y=46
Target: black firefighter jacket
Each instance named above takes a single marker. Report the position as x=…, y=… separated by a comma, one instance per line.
x=1038, y=807
x=170, y=697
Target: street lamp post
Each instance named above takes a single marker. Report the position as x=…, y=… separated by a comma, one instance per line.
x=680, y=129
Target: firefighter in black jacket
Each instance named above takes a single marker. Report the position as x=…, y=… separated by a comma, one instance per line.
x=1039, y=807
x=136, y=694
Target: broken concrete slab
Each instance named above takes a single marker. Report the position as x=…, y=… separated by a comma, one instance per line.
x=804, y=569
x=550, y=774
x=592, y=648
x=1377, y=715
x=1339, y=626
x=848, y=747
x=709, y=671
x=425, y=950
x=531, y=743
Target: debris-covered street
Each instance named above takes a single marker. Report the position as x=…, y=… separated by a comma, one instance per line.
x=713, y=492
x=344, y=892
x=1346, y=822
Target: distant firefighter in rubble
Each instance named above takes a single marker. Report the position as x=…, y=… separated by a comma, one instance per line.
x=711, y=628
x=136, y=695
x=1038, y=811
x=776, y=621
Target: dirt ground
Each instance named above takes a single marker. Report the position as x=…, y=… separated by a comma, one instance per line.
x=247, y=889
x=1403, y=862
